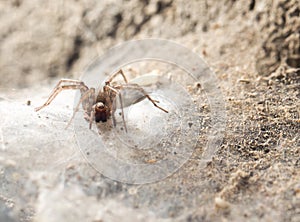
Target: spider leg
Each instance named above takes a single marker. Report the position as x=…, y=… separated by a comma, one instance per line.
x=120, y=72
x=90, y=92
x=71, y=84
x=92, y=117
x=121, y=102
x=139, y=88
x=114, y=106
x=113, y=113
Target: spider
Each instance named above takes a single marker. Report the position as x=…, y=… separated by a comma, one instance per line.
x=99, y=107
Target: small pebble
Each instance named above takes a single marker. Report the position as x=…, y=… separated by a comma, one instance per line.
x=221, y=203
x=247, y=81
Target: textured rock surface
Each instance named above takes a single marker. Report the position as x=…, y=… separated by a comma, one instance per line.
x=280, y=25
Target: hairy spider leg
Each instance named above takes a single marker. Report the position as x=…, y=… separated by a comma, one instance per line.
x=139, y=88
x=120, y=72
x=72, y=84
x=91, y=117
x=114, y=106
x=85, y=97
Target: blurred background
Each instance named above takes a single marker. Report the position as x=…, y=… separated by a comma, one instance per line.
x=45, y=39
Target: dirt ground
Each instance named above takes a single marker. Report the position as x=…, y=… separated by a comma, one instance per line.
x=252, y=46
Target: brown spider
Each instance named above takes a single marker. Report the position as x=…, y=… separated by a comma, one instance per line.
x=99, y=107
